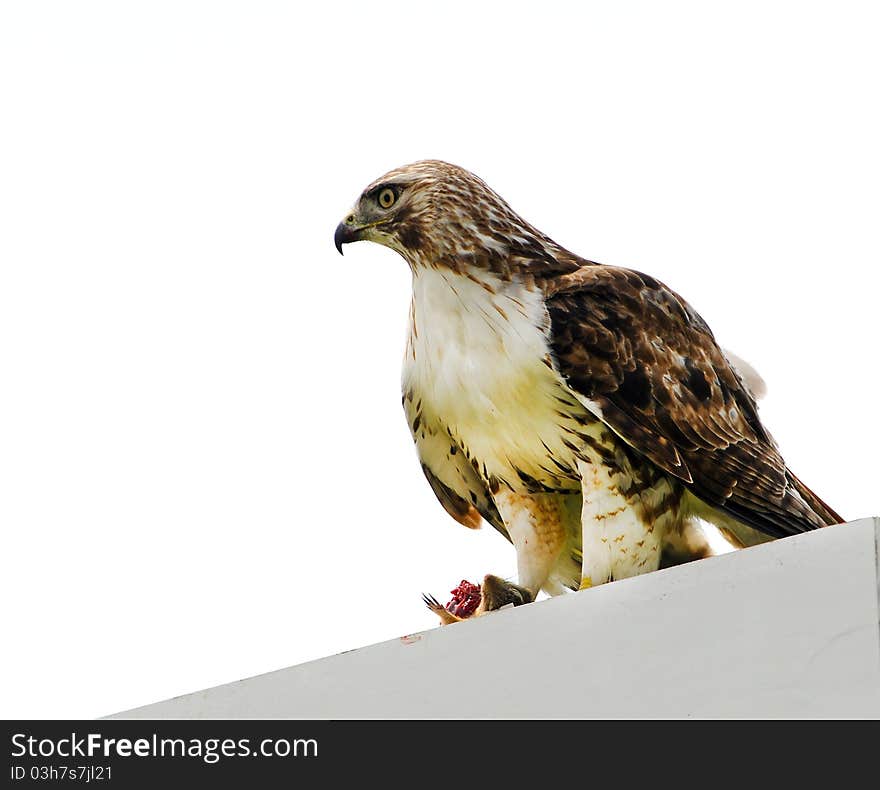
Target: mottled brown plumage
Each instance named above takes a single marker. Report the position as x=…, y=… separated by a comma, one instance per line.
x=584, y=410
x=636, y=348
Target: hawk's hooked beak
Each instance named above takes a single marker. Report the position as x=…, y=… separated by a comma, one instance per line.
x=346, y=231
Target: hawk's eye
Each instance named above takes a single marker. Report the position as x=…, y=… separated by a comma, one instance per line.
x=386, y=198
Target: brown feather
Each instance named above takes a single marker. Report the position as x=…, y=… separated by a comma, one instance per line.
x=666, y=388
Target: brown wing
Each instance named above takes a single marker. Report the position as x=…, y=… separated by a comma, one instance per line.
x=646, y=359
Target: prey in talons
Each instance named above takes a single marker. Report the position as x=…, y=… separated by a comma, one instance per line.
x=473, y=600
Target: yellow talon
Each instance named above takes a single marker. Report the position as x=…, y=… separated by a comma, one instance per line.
x=586, y=583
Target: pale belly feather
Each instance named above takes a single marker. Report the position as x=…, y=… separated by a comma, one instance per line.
x=478, y=365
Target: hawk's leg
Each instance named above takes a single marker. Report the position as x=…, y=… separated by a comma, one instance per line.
x=536, y=525
x=627, y=511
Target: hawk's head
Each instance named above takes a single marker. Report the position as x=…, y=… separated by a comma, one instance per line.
x=437, y=214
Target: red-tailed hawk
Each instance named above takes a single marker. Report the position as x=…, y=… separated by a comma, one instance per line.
x=585, y=411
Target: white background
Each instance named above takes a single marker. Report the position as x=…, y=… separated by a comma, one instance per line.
x=204, y=469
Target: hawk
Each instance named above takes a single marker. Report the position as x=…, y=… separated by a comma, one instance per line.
x=585, y=411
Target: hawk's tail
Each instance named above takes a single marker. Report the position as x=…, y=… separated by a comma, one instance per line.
x=805, y=512
x=800, y=511
x=823, y=515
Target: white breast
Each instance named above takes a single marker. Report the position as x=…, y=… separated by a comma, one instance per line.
x=477, y=359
